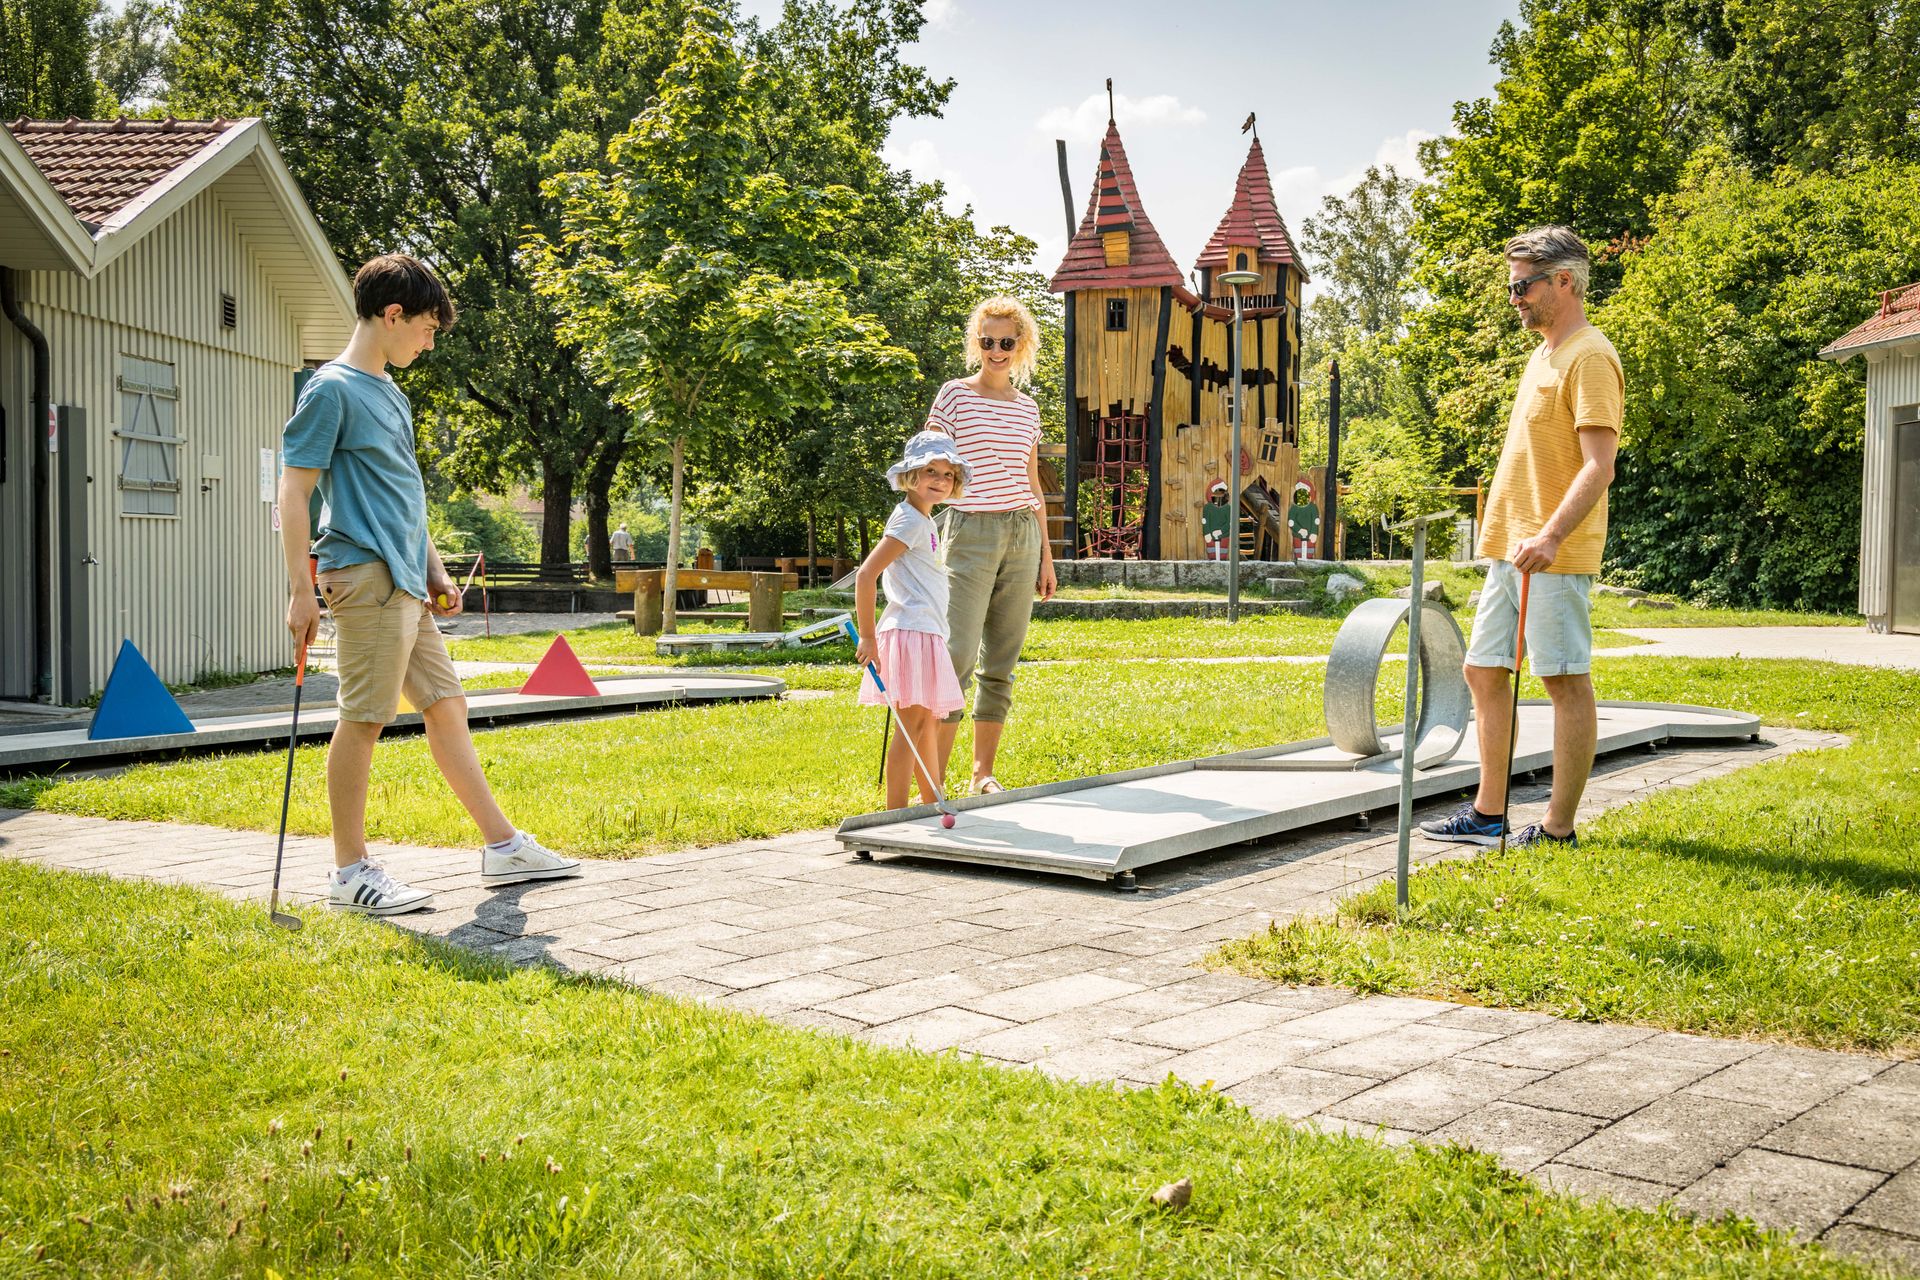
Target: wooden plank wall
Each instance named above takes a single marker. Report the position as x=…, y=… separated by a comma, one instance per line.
x=1195, y=452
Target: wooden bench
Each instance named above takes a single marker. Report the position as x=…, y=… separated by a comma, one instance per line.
x=766, y=593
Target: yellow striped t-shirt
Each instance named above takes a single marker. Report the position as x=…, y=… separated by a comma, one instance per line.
x=1578, y=386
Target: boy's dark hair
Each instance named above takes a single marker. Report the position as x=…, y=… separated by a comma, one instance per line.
x=398, y=277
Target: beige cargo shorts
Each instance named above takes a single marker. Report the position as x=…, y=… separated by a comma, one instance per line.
x=385, y=645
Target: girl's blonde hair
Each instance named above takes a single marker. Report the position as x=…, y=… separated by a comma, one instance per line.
x=1002, y=307
x=908, y=479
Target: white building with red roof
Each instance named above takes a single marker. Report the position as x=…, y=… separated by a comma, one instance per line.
x=161, y=283
x=1889, y=341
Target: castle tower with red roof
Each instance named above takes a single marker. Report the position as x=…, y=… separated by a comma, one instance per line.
x=1149, y=372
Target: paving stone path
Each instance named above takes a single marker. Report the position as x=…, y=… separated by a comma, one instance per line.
x=1074, y=979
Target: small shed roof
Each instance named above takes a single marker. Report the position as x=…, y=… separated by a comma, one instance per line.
x=99, y=167
x=1253, y=220
x=1115, y=206
x=1897, y=323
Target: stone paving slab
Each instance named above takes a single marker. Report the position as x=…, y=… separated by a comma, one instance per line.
x=1083, y=983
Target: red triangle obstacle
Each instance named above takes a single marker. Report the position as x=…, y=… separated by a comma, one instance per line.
x=560, y=674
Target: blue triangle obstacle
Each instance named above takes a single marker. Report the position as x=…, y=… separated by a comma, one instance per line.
x=135, y=704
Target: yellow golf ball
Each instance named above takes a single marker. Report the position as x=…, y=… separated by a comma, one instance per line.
x=444, y=602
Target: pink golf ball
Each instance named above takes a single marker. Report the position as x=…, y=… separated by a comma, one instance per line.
x=946, y=820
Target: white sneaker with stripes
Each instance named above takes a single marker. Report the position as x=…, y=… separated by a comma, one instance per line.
x=372, y=891
x=528, y=859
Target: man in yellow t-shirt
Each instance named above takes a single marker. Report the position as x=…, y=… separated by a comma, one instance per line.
x=1546, y=516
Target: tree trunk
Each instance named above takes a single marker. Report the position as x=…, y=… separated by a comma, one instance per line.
x=840, y=538
x=556, y=519
x=866, y=544
x=599, y=481
x=671, y=580
x=813, y=548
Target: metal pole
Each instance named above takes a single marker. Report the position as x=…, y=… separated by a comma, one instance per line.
x=1409, y=725
x=1330, y=500
x=1233, y=470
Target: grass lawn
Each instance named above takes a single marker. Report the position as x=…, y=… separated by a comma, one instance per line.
x=1779, y=902
x=190, y=1092
x=706, y=775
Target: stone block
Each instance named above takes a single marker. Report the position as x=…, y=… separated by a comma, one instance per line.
x=1611, y=1085
x=1895, y=1206
x=1100, y=1061
x=899, y=1000
x=1054, y=995
x=1781, y=1192
x=1431, y=589
x=1650, y=604
x=1294, y=1092
x=1789, y=1080
x=1228, y=1062
x=1597, y=1184
x=1363, y=1018
x=1503, y=1021
x=1394, y=1052
x=1522, y=1138
x=794, y=993
x=1557, y=1045
x=1872, y=1126
x=1425, y=1099
x=1157, y=575
x=935, y=1029
x=1674, y=1140
x=1209, y=1026
x=1344, y=585
x=761, y=970
x=1895, y=1253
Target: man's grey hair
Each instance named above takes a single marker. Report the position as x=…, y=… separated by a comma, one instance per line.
x=1554, y=249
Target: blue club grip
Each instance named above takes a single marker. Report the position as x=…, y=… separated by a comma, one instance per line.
x=853, y=634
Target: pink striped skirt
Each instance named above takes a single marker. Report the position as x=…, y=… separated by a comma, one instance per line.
x=918, y=672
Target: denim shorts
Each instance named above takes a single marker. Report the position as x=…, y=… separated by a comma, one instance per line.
x=1559, y=622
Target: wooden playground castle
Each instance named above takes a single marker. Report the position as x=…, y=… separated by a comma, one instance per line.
x=1149, y=376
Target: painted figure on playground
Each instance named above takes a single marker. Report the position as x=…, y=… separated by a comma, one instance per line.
x=351, y=437
x=910, y=644
x=1546, y=516
x=1215, y=516
x=994, y=540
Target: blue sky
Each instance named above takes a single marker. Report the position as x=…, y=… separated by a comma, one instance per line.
x=1337, y=87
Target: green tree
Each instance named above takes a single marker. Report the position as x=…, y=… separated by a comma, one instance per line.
x=704, y=291
x=45, y=52
x=1362, y=250
x=1739, y=478
x=133, y=54
x=431, y=126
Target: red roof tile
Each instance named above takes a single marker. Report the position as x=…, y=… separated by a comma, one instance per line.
x=1085, y=265
x=99, y=167
x=1898, y=317
x=1253, y=219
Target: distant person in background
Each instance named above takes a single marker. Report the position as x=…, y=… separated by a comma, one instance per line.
x=1547, y=519
x=994, y=537
x=622, y=544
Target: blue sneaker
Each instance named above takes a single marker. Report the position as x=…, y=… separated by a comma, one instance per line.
x=1466, y=826
x=1538, y=834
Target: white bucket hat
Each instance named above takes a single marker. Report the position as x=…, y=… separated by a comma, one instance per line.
x=926, y=447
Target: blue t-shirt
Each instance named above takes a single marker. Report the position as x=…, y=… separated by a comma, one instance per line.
x=357, y=431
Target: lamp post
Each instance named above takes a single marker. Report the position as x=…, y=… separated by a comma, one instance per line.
x=1238, y=280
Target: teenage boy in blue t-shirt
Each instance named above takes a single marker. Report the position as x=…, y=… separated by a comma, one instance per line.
x=351, y=435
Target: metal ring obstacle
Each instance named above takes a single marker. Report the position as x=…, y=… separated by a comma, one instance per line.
x=1353, y=672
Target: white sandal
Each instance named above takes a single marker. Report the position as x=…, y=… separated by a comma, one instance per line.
x=988, y=786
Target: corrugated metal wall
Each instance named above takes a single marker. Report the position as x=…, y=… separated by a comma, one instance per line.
x=16, y=517
x=1893, y=380
x=203, y=590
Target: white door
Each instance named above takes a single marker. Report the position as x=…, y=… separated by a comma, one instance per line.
x=1906, y=527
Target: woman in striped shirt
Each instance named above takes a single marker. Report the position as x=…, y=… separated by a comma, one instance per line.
x=994, y=539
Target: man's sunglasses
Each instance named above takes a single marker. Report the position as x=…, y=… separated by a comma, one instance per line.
x=1006, y=344
x=1518, y=288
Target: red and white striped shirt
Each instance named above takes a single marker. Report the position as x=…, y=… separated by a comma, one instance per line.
x=996, y=437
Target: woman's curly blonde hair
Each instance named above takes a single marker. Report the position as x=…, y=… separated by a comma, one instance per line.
x=1003, y=307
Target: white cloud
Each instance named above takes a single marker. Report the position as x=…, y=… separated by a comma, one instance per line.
x=1403, y=153
x=941, y=15
x=922, y=159
x=1090, y=117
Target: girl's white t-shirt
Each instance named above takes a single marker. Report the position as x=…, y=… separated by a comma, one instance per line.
x=995, y=437
x=916, y=582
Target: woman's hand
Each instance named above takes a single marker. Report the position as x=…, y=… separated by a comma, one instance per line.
x=1048, y=583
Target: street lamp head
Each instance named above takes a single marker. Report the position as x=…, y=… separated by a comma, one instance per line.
x=1238, y=279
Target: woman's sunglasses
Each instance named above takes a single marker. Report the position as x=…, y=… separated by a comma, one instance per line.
x=1006, y=344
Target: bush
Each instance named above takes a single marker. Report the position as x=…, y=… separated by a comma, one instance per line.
x=466, y=525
